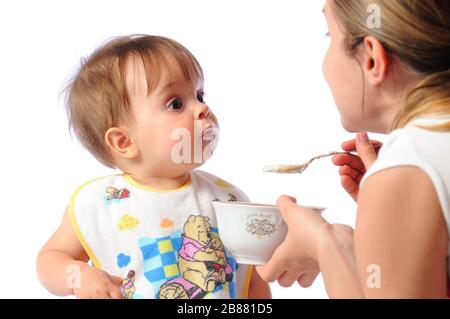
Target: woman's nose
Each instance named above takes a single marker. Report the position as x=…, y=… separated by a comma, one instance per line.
x=201, y=111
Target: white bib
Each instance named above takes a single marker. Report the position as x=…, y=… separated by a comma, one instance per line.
x=164, y=244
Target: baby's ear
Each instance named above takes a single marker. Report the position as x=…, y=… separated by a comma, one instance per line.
x=120, y=143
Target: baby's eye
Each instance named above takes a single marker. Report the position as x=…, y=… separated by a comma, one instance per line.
x=176, y=104
x=201, y=97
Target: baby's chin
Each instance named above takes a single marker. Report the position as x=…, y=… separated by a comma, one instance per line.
x=207, y=155
x=187, y=167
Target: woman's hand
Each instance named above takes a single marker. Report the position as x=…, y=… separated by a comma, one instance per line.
x=353, y=167
x=309, y=235
x=309, y=238
x=296, y=258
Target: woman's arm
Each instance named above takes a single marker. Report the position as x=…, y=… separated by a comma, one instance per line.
x=401, y=228
x=336, y=258
x=400, y=241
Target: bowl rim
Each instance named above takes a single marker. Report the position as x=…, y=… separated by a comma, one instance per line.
x=244, y=204
x=256, y=205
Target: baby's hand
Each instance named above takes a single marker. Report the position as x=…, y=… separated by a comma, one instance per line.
x=98, y=284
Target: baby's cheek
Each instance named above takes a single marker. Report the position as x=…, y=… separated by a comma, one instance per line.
x=178, y=151
x=155, y=146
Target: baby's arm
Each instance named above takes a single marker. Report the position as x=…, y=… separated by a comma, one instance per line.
x=258, y=288
x=63, y=270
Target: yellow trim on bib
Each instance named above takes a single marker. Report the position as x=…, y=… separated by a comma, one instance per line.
x=147, y=188
x=77, y=230
x=248, y=277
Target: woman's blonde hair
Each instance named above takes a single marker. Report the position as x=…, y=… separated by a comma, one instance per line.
x=97, y=97
x=418, y=33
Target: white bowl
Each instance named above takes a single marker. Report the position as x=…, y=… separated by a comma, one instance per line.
x=250, y=232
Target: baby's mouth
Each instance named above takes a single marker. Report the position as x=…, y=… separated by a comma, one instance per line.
x=210, y=133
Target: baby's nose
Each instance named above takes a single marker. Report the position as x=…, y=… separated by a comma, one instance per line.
x=201, y=111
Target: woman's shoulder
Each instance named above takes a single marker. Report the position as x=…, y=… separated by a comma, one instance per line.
x=411, y=158
x=404, y=177
x=413, y=146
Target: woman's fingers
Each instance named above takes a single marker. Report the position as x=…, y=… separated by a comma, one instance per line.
x=353, y=173
x=306, y=280
x=365, y=149
x=286, y=205
x=351, y=145
x=350, y=186
x=288, y=278
x=351, y=170
x=353, y=167
x=351, y=160
x=274, y=267
x=294, y=255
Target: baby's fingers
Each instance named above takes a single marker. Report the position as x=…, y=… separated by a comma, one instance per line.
x=116, y=280
x=101, y=293
x=114, y=292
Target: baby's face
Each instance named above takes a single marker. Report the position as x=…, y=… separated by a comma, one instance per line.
x=173, y=127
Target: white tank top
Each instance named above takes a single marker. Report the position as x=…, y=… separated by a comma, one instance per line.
x=165, y=244
x=425, y=149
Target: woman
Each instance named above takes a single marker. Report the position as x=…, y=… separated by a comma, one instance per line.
x=393, y=78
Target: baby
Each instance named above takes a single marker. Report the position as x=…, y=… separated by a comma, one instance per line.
x=137, y=104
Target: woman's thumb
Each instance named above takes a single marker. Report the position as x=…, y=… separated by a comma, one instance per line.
x=365, y=149
x=284, y=204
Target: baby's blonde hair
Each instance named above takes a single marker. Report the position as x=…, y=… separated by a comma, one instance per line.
x=97, y=97
x=418, y=33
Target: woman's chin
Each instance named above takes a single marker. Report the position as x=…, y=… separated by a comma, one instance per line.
x=349, y=127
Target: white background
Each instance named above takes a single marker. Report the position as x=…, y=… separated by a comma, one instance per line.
x=262, y=62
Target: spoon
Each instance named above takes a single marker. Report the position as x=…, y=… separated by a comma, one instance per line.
x=300, y=168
